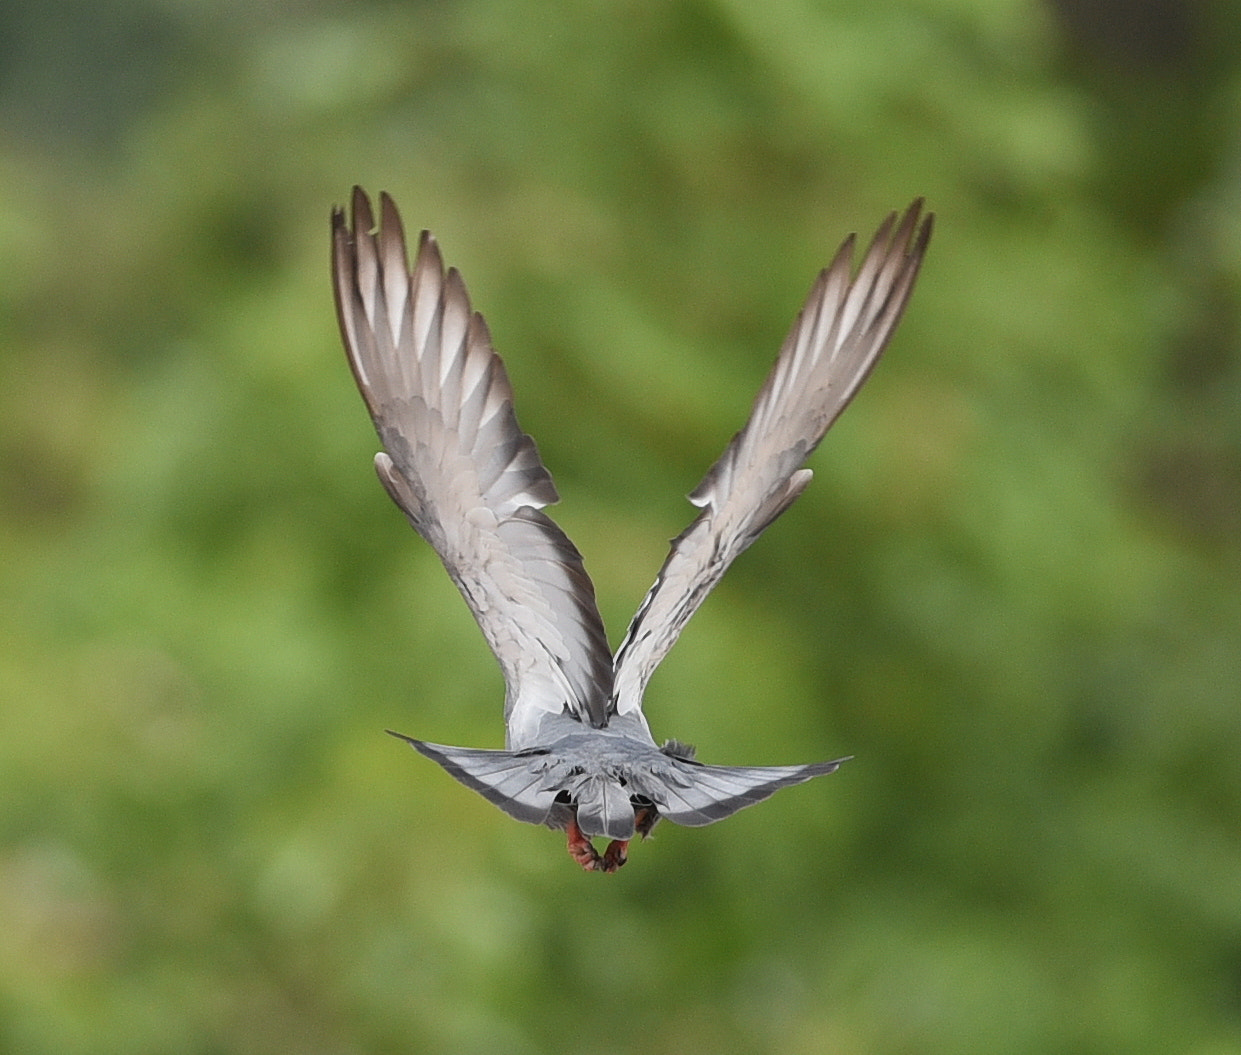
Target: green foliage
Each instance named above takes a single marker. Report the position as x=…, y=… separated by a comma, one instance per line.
x=1013, y=591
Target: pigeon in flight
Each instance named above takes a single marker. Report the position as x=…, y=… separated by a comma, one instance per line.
x=579, y=755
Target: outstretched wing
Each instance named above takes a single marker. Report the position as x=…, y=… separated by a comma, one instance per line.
x=458, y=464
x=834, y=343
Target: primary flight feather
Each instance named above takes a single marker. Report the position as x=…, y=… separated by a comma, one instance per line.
x=579, y=755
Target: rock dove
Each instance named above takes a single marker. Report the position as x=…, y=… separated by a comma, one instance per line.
x=579, y=755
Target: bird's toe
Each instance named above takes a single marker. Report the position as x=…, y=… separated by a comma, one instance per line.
x=582, y=850
x=615, y=855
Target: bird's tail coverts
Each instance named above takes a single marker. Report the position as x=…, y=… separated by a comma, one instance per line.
x=604, y=808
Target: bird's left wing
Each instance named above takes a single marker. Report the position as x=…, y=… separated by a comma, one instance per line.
x=834, y=343
x=458, y=464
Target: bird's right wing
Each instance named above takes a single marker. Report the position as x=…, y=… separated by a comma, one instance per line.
x=458, y=464
x=834, y=343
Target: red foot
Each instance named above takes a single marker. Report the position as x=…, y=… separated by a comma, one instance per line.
x=582, y=851
x=615, y=855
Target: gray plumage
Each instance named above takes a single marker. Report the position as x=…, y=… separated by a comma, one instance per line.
x=579, y=754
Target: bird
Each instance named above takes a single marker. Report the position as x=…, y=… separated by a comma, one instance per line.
x=579, y=755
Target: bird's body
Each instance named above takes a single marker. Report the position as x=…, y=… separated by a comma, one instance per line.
x=579, y=754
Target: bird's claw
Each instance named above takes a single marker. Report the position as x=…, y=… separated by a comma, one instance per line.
x=582, y=850
x=615, y=855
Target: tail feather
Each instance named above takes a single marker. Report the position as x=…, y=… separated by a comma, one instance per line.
x=694, y=794
x=527, y=784
x=604, y=808
x=515, y=781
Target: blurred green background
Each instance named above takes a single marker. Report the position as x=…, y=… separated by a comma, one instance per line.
x=1013, y=592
